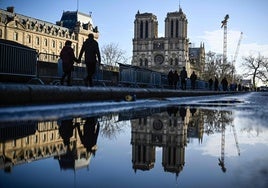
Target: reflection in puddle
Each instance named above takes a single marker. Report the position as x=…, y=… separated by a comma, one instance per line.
x=73, y=142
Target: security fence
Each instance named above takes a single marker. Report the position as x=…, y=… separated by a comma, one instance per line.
x=17, y=60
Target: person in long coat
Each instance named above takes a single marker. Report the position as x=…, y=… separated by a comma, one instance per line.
x=193, y=78
x=92, y=57
x=68, y=58
x=183, y=76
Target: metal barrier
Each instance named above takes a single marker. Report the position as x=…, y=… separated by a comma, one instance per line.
x=51, y=72
x=135, y=76
x=17, y=59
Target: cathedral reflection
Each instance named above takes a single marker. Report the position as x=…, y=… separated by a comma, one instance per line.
x=167, y=130
x=73, y=141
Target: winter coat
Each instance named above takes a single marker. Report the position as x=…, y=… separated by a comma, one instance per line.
x=68, y=58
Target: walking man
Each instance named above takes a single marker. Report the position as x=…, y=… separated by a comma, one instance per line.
x=193, y=78
x=183, y=75
x=92, y=58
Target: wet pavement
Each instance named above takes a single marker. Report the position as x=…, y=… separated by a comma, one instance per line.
x=204, y=141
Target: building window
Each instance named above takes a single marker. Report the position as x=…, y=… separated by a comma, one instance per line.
x=29, y=39
x=45, y=42
x=53, y=44
x=171, y=28
x=146, y=62
x=141, y=29
x=60, y=45
x=14, y=143
x=171, y=61
x=27, y=140
x=177, y=28
x=1, y=33
x=176, y=61
x=146, y=29
x=37, y=41
x=140, y=62
x=16, y=36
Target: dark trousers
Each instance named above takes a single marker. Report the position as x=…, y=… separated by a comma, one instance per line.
x=68, y=75
x=183, y=84
x=91, y=69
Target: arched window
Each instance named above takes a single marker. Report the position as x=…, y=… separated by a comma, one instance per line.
x=146, y=62
x=45, y=42
x=171, y=61
x=140, y=62
x=37, y=41
x=29, y=39
x=16, y=36
x=53, y=44
x=176, y=61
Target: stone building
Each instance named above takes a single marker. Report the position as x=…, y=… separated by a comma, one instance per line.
x=197, y=59
x=47, y=38
x=163, y=53
x=167, y=130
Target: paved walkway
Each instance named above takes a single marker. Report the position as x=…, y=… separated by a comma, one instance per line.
x=22, y=94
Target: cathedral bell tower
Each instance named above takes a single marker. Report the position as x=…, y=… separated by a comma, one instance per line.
x=145, y=31
x=176, y=34
x=161, y=53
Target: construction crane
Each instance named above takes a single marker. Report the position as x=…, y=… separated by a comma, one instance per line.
x=221, y=160
x=224, y=26
x=236, y=140
x=236, y=54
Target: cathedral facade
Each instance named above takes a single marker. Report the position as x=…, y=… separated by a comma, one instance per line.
x=162, y=54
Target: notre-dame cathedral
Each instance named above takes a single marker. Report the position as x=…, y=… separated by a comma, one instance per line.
x=172, y=51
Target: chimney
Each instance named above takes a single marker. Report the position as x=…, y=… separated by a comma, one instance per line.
x=10, y=9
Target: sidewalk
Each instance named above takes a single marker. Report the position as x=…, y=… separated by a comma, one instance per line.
x=22, y=94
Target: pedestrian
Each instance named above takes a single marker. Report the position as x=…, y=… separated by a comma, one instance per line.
x=89, y=134
x=67, y=56
x=216, y=84
x=224, y=83
x=210, y=83
x=175, y=79
x=170, y=79
x=92, y=58
x=183, y=75
x=193, y=78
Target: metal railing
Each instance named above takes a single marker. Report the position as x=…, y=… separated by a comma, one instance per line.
x=17, y=60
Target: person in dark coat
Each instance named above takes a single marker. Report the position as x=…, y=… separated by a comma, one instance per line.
x=175, y=79
x=89, y=134
x=193, y=78
x=92, y=57
x=66, y=131
x=216, y=84
x=68, y=58
x=210, y=83
x=224, y=83
x=183, y=76
x=170, y=79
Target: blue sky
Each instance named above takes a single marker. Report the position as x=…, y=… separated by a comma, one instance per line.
x=115, y=20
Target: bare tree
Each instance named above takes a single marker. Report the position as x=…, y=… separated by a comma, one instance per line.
x=111, y=55
x=215, y=67
x=256, y=68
